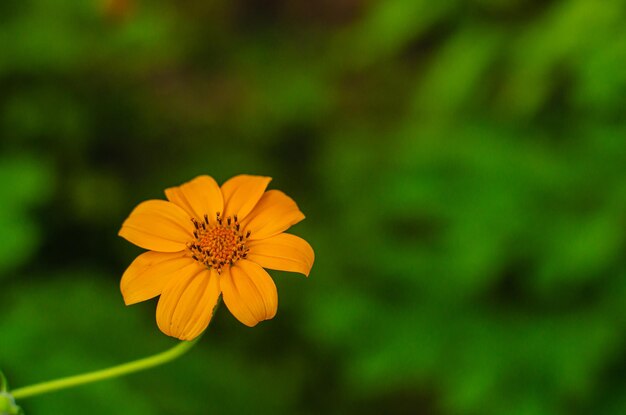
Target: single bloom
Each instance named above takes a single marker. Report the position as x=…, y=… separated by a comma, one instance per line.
x=207, y=240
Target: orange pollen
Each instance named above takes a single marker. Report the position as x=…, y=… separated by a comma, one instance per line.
x=218, y=243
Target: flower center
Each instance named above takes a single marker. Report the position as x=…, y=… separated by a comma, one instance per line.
x=218, y=244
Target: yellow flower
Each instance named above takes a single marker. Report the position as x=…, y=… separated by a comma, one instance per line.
x=206, y=241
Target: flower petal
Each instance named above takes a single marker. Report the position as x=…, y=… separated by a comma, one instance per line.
x=242, y=192
x=198, y=197
x=186, y=304
x=249, y=292
x=149, y=273
x=283, y=252
x=158, y=225
x=274, y=214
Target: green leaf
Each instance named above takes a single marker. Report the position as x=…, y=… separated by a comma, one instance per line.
x=4, y=385
x=8, y=406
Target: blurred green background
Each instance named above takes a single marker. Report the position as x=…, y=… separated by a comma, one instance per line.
x=461, y=165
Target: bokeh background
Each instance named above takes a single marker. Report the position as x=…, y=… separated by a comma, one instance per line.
x=461, y=165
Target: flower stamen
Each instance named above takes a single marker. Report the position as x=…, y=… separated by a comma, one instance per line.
x=219, y=244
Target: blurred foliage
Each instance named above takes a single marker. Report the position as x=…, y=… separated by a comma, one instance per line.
x=461, y=165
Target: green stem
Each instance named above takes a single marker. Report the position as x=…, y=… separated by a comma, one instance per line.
x=112, y=372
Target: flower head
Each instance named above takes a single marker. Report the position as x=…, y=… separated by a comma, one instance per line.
x=207, y=240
